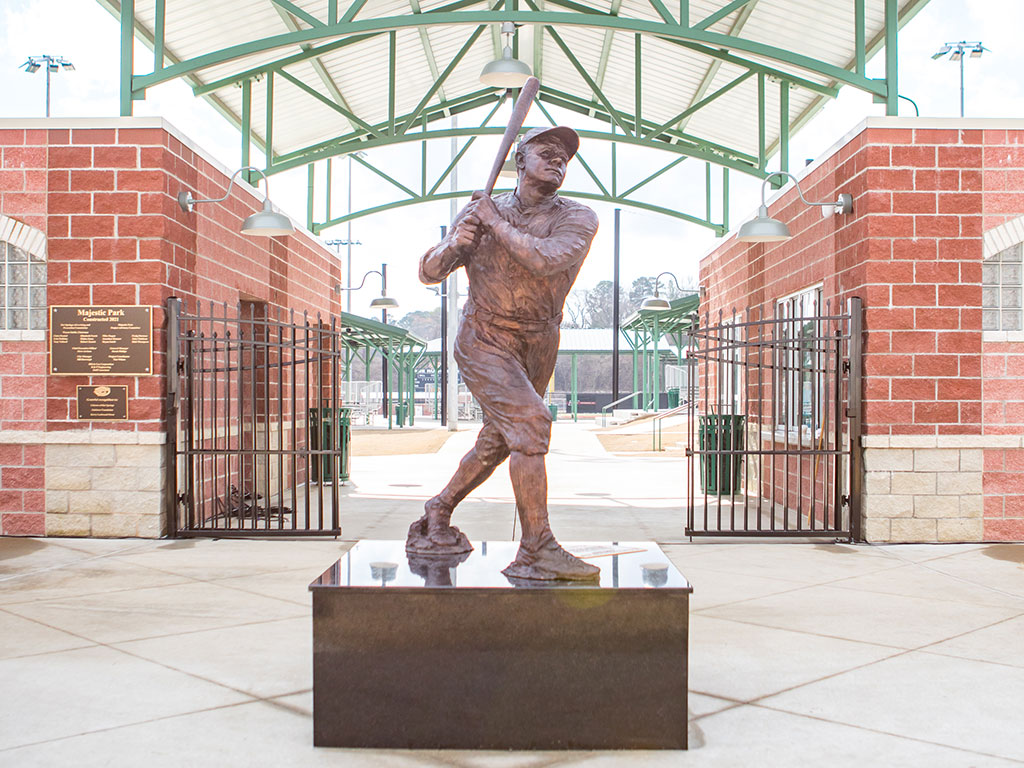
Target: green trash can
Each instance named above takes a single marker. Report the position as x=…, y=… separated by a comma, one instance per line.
x=673, y=397
x=554, y=412
x=721, y=472
x=400, y=414
x=323, y=439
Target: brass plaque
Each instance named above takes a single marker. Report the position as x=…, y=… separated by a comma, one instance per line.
x=95, y=341
x=102, y=403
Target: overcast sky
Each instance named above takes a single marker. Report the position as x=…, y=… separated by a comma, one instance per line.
x=85, y=33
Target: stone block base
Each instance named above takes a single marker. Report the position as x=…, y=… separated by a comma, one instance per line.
x=419, y=654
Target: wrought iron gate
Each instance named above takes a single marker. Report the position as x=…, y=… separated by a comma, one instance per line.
x=774, y=435
x=256, y=401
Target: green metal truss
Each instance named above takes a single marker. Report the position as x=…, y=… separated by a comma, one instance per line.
x=315, y=36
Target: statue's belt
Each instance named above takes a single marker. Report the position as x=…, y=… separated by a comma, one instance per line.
x=512, y=323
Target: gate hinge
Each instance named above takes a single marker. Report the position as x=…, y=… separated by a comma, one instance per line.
x=689, y=451
x=844, y=500
x=181, y=498
x=181, y=365
x=846, y=366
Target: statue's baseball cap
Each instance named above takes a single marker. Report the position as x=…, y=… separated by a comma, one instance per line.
x=561, y=133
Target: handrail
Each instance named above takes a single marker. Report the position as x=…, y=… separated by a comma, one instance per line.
x=656, y=424
x=604, y=408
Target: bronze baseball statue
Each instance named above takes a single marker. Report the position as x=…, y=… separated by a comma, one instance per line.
x=522, y=252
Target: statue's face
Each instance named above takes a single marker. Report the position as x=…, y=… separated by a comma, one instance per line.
x=542, y=162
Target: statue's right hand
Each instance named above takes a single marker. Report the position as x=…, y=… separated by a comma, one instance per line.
x=466, y=232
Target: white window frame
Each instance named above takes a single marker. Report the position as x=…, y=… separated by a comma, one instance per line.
x=792, y=397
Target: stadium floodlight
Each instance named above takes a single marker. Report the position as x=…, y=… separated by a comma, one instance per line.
x=956, y=53
x=52, y=64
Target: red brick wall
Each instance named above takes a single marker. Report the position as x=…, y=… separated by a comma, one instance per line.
x=912, y=250
x=106, y=198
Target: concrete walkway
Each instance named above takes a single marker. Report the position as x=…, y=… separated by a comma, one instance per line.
x=197, y=652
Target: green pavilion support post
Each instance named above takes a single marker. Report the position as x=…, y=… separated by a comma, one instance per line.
x=892, y=25
x=127, y=55
x=636, y=373
x=656, y=368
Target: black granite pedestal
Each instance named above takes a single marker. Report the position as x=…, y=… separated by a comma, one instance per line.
x=442, y=654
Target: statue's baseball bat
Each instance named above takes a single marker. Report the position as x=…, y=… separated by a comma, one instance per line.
x=515, y=122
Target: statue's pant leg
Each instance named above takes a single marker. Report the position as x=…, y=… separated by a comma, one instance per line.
x=476, y=466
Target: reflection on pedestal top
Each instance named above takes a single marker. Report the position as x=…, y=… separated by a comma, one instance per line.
x=385, y=564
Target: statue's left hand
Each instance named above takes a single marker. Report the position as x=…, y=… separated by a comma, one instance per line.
x=485, y=210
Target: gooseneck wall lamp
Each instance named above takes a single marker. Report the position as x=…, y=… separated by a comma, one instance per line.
x=383, y=302
x=655, y=302
x=506, y=72
x=267, y=222
x=764, y=229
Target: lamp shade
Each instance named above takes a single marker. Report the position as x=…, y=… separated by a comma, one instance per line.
x=384, y=302
x=763, y=229
x=505, y=72
x=655, y=303
x=267, y=223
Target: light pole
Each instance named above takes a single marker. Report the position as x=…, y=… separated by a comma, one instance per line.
x=956, y=52
x=52, y=64
x=384, y=303
x=336, y=245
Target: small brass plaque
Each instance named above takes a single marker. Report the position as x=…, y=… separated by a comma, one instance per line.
x=102, y=403
x=97, y=341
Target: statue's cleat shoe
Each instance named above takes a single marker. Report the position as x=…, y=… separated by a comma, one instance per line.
x=433, y=535
x=551, y=563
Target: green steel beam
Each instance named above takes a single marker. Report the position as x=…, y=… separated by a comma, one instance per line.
x=721, y=13
x=716, y=61
x=783, y=126
x=484, y=17
x=127, y=55
x=762, y=158
x=317, y=64
x=637, y=84
x=246, y=126
x=655, y=175
x=588, y=79
x=733, y=160
x=892, y=104
x=428, y=49
x=268, y=133
x=385, y=176
x=160, y=10
x=673, y=138
x=662, y=11
x=444, y=174
x=347, y=114
x=859, y=35
x=606, y=45
x=353, y=9
x=414, y=199
x=294, y=10
x=392, y=78
x=438, y=82
x=310, y=185
x=702, y=103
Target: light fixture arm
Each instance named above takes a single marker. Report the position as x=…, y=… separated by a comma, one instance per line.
x=843, y=205
x=187, y=202
x=361, y=284
x=674, y=280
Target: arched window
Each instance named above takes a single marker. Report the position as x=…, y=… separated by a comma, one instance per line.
x=22, y=276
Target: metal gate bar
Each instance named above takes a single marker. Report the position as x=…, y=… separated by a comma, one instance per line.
x=773, y=442
x=250, y=396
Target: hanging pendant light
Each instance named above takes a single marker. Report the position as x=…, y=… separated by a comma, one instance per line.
x=506, y=72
